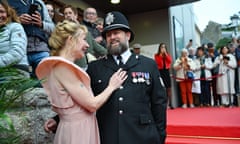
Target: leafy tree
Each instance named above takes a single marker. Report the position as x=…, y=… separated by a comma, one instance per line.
x=223, y=42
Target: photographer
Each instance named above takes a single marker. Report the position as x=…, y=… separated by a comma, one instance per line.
x=227, y=63
x=182, y=65
x=38, y=25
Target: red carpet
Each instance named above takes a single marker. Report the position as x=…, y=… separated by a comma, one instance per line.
x=203, y=126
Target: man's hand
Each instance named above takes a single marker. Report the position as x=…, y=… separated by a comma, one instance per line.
x=211, y=54
x=50, y=126
x=99, y=39
x=25, y=19
x=37, y=19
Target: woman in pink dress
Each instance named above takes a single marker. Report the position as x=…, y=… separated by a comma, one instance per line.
x=68, y=86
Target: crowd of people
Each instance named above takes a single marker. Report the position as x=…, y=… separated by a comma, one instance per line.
x=215, y=72
x=93, y=79
x=35, y=22
x=206, y=76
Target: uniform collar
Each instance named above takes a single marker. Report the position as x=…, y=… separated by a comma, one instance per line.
x=130, y=61
x=125, y=56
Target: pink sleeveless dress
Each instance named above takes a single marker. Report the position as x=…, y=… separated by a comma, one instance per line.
x=77, y=126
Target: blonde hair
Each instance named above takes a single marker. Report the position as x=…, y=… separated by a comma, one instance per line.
x=61, y=33
x=11, y=13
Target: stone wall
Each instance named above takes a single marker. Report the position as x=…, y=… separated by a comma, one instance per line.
x=212, y=33
x=30, y=117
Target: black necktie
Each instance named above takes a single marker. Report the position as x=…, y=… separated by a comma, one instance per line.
x=119, y=57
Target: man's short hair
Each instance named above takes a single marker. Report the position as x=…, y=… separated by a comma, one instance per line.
x=210, y=45
x=137, y=45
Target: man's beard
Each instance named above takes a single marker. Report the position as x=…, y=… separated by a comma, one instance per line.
x=122, y=47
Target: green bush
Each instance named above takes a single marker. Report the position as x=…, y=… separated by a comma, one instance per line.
x=12, y=86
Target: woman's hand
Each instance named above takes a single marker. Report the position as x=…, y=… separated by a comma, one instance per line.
x=117, y=79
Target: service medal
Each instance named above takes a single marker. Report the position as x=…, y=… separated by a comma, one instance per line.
x=147, y=78
x=134, y=79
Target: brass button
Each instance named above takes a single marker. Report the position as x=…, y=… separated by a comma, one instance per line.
x=120, y=112
x=120, y=98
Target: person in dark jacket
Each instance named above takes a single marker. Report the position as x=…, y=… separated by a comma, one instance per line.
x=90, y=17
x=70, y=13
x=136, y=113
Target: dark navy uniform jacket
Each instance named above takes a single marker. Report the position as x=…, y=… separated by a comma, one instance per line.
x=136, y=112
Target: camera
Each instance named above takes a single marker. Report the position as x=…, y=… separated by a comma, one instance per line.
x=32, y=9
x=226, y=58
